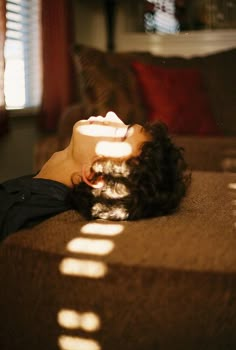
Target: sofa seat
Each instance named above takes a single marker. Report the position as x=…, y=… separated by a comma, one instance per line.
x=162, y=283
x=209, y=153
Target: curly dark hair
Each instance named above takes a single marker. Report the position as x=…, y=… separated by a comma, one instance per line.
x=149, y=185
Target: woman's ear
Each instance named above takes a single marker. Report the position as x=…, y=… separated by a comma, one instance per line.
x=85, y=177
x=76, y=178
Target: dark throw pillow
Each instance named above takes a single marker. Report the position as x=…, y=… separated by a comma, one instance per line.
x=178, y=97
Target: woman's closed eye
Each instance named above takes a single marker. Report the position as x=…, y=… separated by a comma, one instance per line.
x=121, y=133
x=126, y=133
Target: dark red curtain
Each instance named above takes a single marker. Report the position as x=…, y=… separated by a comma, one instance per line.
x=57, y=43
x=3, y=114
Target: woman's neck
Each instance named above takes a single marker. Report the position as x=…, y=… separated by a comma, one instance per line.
x=59, y=167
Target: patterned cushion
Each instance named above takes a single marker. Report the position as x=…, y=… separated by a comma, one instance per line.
x=107, y=82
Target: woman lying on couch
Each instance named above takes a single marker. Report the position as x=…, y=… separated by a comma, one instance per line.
x=109, y=171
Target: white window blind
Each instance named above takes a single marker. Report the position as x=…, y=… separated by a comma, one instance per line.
x=22, y=79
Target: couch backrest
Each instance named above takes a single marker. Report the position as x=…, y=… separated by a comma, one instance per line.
x=107, y=81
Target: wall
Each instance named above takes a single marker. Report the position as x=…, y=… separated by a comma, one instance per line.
x=90, y=29
x=17, y=148
x=89, y=19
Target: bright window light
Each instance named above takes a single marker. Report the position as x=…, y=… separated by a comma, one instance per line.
x=232, y=186
x=162, y=18
x=83, y=268
x=90, y=246
x=113, y=149
x=72, y=319
x=75, y=343
x=102, y=229
x=22, y=79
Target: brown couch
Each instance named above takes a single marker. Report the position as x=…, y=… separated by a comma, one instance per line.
x=160, y=284
x=107, y=81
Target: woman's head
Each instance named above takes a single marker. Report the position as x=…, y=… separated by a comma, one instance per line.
x=105, y=137
x=148, y=181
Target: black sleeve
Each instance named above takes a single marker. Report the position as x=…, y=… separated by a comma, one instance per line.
x=27, y=201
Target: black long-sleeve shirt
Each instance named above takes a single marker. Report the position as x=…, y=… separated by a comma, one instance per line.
x=26, y=201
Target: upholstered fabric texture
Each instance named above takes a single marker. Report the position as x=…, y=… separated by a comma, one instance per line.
x=169, y=283
x=178, y=97
x=107, y=81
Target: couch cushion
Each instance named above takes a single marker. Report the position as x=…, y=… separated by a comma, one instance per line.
x=219, y=74
x=208, y=153
x=167, y=283
x=176, y=96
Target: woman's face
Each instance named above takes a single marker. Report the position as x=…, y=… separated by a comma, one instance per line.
x=106, y=136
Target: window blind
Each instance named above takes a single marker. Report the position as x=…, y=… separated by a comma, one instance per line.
x=22, y=79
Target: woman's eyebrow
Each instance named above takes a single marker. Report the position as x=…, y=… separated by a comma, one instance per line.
x=126, y=132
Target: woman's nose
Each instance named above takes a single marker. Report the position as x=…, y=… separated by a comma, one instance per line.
x=112, y=117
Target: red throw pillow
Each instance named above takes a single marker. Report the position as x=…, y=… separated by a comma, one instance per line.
x=176, y=96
